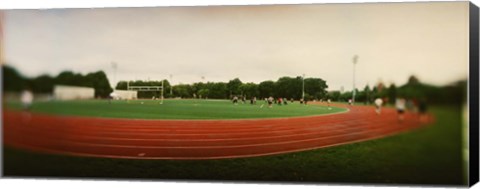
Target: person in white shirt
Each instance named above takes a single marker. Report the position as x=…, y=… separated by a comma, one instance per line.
x=270, y=102
x=378, y=105
x=27, y=99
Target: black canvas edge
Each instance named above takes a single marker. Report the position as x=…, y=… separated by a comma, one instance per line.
x=473, y=90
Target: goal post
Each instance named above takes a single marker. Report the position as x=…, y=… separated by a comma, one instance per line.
x=146, y=88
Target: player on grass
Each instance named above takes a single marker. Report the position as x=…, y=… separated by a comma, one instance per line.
x=270, y=101
x=235, y=100
x=27, y=99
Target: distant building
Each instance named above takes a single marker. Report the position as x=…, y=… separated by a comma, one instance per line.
x=65, y=92
x=124, y=95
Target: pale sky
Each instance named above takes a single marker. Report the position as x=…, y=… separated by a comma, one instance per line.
x=253, y=43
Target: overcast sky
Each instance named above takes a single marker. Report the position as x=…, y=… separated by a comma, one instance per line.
x=253, y=43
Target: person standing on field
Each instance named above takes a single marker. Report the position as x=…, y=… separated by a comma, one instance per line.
x=270, y=101
x=27, y=99
x=235, y=100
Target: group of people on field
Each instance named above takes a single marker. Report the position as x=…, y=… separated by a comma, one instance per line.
x=402, y=105
x=270, y=100
x=253, y=100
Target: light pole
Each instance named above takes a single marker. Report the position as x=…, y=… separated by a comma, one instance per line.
x=355, y=59
x=303, y=86
x=161, y=97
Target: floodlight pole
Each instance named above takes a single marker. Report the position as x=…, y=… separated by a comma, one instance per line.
x=355, y=58
x=161, y=100
x=303, y=86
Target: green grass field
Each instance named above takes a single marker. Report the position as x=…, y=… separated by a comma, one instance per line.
x=176, y=109
x=428, y=155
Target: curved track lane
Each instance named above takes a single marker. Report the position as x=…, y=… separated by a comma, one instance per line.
x=196, y=139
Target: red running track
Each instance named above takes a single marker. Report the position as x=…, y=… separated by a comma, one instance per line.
x=196, y=139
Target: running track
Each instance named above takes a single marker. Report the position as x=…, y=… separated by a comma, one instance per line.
x=196, y=139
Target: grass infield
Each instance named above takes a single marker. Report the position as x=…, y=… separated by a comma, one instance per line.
x=177, y=109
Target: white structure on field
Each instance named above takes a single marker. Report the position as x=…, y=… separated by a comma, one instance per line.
x=147, y=88
x=64, y=92
x=124, y=95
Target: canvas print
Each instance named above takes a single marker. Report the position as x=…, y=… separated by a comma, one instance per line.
x=372, y=93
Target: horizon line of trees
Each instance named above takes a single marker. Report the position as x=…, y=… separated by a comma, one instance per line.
x=284, y=87
x=454, y=93
x=13, y=81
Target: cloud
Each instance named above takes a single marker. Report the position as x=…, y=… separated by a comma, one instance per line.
x=254, y=43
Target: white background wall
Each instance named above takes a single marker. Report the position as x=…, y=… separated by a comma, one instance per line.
x=64, y=92
x=124, y=94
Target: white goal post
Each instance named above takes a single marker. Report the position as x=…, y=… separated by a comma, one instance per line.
x=147, y=88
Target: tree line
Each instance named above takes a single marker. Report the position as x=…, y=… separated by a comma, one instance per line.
x=13, y=81
x=284, y=87
x=454, y=93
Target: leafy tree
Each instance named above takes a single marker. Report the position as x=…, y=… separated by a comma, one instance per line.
x=233, y=87
x=288, y=87
x=121, y=85
x=249, y=89
x=266, y=89
x=66, y=78
x=218, y=90
x=334, y=96
x=43, y=84
x=13, y=81
x=392, y=93
x=316, y=87
x=183, y=91
x=203, y=93
x=97, y=80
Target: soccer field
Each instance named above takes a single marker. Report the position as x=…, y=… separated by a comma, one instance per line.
x=177, y=109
